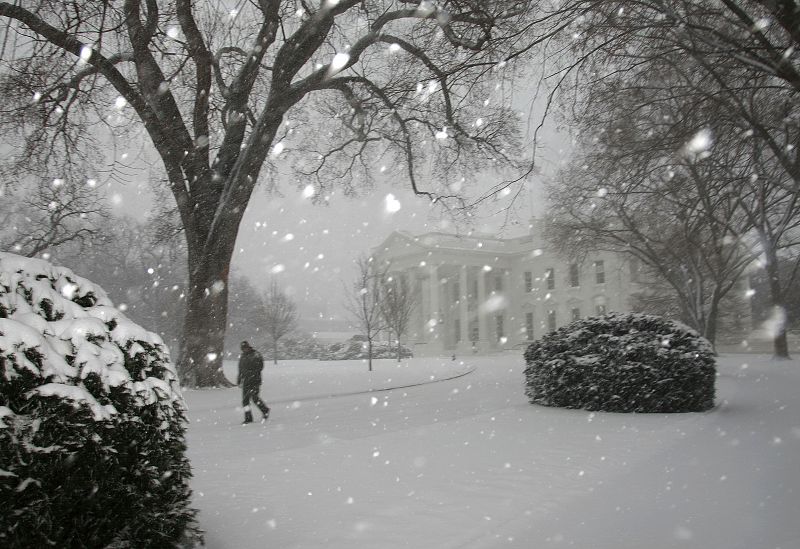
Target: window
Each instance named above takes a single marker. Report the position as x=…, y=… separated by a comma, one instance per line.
x=457, y=329
x=529, y=326
x=600, y=271
x=551, y=321
x=576, y=314
x=499, y=325
x=574, y=275
x=456, y=292
x=550, y=276
x=498, y=283
x=528, y=282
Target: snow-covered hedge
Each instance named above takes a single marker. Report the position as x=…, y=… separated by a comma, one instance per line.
x=355, y=349
x=295, y=347
x=622, y=363
x=92, y=450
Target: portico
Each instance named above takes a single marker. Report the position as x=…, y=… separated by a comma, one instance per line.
x=479, y=294
x=462, y=306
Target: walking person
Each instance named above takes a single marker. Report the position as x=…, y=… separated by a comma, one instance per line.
x=249, y=378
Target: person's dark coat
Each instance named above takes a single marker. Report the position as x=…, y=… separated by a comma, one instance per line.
x=250, y=365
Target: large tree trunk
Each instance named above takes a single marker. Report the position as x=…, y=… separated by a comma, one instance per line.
x=202, y=347
x=275, y=351
x=369, y=353
x=780, y=344
x=712, y=320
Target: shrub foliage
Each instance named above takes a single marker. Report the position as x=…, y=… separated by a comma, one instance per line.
x=92, y=450
x=356, y=349
x=622, y=363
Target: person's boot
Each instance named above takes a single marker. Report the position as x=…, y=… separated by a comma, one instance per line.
x=264, y=410
x=248, y=417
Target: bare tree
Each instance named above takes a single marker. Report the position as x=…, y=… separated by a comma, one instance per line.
x=144, y=278
x=772, y=208
x=762, y=305
x=396, y=303
x=278, y=315
x=245, y=308
x=51, y=215
x=726, y=72
x=647, y=184
x=363, y=301
x=223, y=94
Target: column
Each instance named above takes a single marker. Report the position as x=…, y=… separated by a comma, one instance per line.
x=483, y=335
x=414, y=325
x=434, y=329
x=463, y=312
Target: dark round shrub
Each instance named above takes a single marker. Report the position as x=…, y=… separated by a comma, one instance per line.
x=92, y=450
x=622, y=363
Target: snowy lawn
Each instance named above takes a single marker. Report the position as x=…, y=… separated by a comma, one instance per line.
x=467, y=462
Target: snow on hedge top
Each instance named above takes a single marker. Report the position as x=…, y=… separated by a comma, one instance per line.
x=61, y=328
x=626, y=326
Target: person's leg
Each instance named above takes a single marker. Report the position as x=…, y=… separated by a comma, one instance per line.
x=247, y=395
x=261, y=404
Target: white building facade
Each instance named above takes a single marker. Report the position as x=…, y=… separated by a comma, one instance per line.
x=481, y=294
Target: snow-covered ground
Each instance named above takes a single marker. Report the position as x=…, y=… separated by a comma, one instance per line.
x=467, y=462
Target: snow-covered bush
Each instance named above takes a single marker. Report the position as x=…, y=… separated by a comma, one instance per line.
x=356, y=349
x=294, y=347
x=622, y=363
x=92, y=450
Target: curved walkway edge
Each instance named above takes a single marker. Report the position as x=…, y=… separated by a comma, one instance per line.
x=380, y=390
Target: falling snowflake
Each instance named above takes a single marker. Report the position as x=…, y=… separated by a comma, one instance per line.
x=339, y=61
x=700, y=143
x=392, y=205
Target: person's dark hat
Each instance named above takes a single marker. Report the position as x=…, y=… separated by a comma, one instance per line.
x=245, y=345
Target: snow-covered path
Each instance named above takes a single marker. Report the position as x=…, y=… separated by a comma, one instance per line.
x=469, y=463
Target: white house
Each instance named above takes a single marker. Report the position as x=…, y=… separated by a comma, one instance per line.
x=483, y=294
